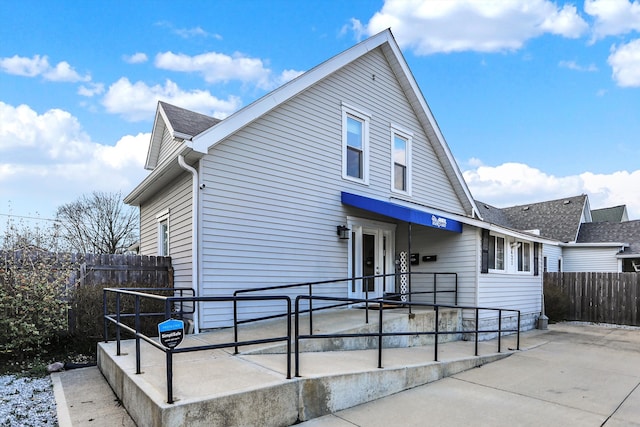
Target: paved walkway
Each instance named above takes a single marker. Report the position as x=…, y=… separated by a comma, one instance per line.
x=571, y=375
x=581, y=376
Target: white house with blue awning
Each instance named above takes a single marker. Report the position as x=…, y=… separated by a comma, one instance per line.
x=339, y=173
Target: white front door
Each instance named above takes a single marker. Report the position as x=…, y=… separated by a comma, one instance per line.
x=372, y=249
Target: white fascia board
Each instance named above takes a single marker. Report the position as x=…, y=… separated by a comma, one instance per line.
x=148, y=164
x=238, y=120
x=595, y=245
x=156, y=174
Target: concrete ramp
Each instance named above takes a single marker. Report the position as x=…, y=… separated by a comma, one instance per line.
x=218, y=388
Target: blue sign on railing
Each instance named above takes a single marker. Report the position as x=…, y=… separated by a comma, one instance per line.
x=171, y=332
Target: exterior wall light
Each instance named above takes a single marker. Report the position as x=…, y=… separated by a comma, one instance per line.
x=343, y=232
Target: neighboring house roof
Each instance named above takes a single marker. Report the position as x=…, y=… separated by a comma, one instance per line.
x=555, y=219
x=187, y=122
x=181, y=124
x=198, y=144
x=603, y=232
x=612, y=214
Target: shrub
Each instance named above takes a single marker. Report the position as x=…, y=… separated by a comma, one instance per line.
x=33, y=301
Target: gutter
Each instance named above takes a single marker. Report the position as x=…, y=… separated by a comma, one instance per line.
x=195, y=256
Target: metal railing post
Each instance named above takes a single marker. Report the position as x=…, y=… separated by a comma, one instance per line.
x=137, y=327
x=477, y=328
x=288, y=338
x=310, y=309
x=118, y=324
x=169, y=375
x=499, y=330
x=518, y=334
x=456, y=276
x=296, y=315
x=435, y=288
x=235, y=323
x=437, y=330
x=104, y=316
x=380, y=337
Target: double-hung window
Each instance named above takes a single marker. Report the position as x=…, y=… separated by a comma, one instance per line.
x=523, y=255
x=400, y=161
x=355, y=145
x=496, y=252
x=163, y=233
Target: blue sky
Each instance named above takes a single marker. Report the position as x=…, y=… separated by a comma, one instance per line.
x=537, y=99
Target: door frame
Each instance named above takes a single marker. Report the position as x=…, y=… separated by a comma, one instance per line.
x=385, y=255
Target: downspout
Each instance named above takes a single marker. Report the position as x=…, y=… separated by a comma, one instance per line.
x=194, y=239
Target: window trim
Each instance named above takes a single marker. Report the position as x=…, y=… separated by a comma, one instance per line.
x=408, y=137
x=365, y=118
x=162, y=247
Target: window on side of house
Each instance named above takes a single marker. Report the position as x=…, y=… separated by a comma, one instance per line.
x=355, y=145
x=496, y=252
x=524, y=256
x=163, y=233
x=400, y=161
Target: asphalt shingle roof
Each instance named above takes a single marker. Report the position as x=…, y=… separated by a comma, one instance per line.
x=612, y=214
x=186, y=121
x=604, y=232
x=556, y=219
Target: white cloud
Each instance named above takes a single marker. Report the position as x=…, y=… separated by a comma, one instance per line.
x=138, y=101
x=91, y=89
x=39, y=66
x=48, y=159
x=613, y=17
x=513, y=184
x=220, y=68
x=187, y=33
x=573, y=65
x=625, y=63
x=431, y=26
x=136, y=58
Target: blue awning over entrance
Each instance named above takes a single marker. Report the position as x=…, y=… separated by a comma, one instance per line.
x=402, y=213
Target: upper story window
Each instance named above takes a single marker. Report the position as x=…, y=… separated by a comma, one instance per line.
x=163, y=233
x=496, y=252
x=400, y=161
x=355, y=145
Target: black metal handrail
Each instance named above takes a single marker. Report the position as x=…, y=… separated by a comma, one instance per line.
x=168, y=302
x=380, y=334
x=367, y=300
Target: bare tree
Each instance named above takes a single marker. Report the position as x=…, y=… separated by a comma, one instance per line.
x=98, y=223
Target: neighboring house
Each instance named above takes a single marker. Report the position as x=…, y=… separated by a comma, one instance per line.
x=261, y=197
x=612, y=214
x=601, y=240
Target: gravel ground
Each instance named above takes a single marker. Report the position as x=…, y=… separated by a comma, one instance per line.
x=26, y=401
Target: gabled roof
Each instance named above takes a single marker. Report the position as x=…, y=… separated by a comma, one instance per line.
x=555, y=219
x=612, y=214
x=181, y=123
x=386, y=42
x=198, y=141
x=603, y=232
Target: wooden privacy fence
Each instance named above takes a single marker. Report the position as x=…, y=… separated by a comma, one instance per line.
x=124, y=270
x=598, y=297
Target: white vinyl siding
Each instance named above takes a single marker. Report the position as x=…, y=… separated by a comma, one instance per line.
x=176, y=200
x=455, y=252
x=594, y=259
x=272, y=198
x=168, y=147
x=553, y=253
